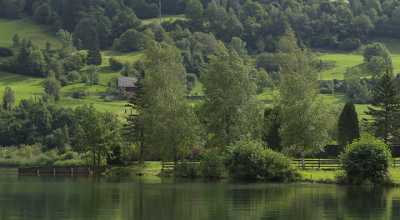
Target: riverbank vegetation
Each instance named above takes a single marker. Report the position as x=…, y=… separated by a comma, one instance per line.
x=218, y=88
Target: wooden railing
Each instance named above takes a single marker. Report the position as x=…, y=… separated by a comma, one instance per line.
x=396, y=162
x=167, y=166
x=58, y=171
x=328, y=164
x=322, y=164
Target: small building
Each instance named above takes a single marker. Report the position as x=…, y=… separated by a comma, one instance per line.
x=127, y=84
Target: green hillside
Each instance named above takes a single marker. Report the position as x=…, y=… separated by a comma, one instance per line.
x=348, y=60
x=27, y=87
x=27, y=29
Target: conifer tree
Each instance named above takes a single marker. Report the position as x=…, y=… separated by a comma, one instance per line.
x=94, y=56
x=385, y=109
x=348, y=126
x=134, y=127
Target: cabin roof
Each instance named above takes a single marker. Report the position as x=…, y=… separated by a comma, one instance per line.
x=127, y=82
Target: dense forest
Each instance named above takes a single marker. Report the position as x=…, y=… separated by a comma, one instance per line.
x=235, y=49
x=319, y=24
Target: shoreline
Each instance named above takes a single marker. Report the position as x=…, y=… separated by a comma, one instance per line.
x=154, y=169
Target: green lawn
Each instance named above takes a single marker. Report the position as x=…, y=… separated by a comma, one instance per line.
x=24, y=86
x=347, y=60
x=342, y=62
x=330, y=175
x=25, y=28
x=122, y=57
x=27, y=87
x=170, y=18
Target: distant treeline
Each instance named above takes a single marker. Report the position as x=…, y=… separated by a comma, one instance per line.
x=319, y=24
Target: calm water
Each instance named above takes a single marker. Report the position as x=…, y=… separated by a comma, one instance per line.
x=39, y=198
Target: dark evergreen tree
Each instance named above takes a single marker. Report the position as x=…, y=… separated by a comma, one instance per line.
x=385, y=109
x=348, y=126
x=134, y=127
x=94, y=57
x=272, y=125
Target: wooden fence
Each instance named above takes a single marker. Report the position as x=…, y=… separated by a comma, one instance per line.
x=167, y=167
x=327, y=164
x=58, y=171
x=320, y=164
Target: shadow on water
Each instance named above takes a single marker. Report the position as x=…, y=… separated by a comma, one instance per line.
x=48, y=198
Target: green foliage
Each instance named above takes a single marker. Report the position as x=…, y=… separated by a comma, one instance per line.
x=384, y=111
x=272, y=125
x=298, y=97
x=130, y=41
x=43, y=14
x=170, y=126
x=212, y=164
x=367, y=159
x=52, y=87
x=94, y=57
x=348, y=127
x=11, y=8
x=34, y=155
x=123, y=21
x=8, y=99
x=115, y=64
x=230, y=110
x=357, y=89
x=186, y=169
x=92, y=75
x=29, y=60
x=378, y=59
x=250, y=160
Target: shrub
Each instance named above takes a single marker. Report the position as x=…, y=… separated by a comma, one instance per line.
x=187, y=169
x=350, y=44
x=130, y=41
x=115, y=64
x=74, y=76
x=211, y=165
x=366, y=160
x=249, y=160
x=6, y=52
x=79, y=94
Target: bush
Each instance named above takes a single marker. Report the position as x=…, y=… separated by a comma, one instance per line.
x=115, y=64
x=74, y=76
x=249, y=160
x=130, y=41
x=366, y=160
x=187, y=169
x=79, y=94
x=211, y=165
x=350, y=44
x=5, y=52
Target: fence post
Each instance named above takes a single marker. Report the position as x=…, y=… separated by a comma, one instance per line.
x=319, y=163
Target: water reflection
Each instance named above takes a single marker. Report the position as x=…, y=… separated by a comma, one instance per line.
x=44, y=198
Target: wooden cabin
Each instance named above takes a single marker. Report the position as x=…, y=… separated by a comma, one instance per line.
x=127, y=85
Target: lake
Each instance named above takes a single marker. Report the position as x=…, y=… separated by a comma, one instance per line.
x=60, y=198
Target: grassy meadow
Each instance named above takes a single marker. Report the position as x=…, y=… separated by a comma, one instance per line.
x=27, y=87
x=27, y=29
